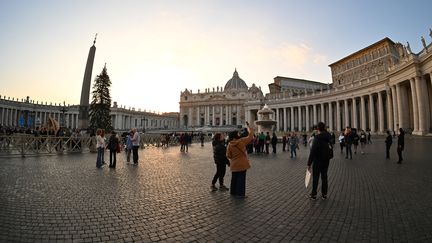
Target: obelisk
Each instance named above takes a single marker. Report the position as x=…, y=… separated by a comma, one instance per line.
x=83, y=117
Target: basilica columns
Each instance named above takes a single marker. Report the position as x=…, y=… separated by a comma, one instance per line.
x=363, y=113
x=292, y=118
x=354, y=113
x=423, y=105
x=315, y=114
x=380, y=113
x=338, y=116
x=414, y=104
x=395, y=108
x=307, y=117
x=347, y=123
x=371, y=114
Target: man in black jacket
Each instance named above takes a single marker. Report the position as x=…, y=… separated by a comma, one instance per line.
x=319, y=158
x=221, y=161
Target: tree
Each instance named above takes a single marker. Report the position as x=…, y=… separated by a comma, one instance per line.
x=101, y=102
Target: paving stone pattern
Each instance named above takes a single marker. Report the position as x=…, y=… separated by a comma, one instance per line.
x=168, y=198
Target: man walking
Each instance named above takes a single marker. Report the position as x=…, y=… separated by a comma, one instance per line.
x=319, y=158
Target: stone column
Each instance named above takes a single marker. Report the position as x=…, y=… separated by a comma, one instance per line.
x=285, y=119
x=346, y=113
x=322, y=113
x=292, y=118
x=229, y=115
x=307, y=118
x=354, y=115
x=207, y=115
x=2, y=116
x=371, y=114
x=277, y=120
x=315, y=114
x=198, y=116
x=380, y=114
x=415, y=104
x=389, y=110
x=395, y=108
x=6, y=117
x=400, y=105
x=299, y=118
x=363, y=113
x=338, y=117
x=423, y=105
x=330, y=115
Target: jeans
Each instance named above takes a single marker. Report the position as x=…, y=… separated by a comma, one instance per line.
x=238, y=183
x=128, y=154
x=220, y=173
x=135, y=154
x=293, y=149
x=318, y=169
x=100, y=152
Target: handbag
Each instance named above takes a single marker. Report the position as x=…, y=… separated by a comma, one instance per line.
x=118, y=149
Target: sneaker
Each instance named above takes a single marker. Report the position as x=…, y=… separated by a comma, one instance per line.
x=223, y=188
x=213, y=188
x=324, y=197
x=313, y=198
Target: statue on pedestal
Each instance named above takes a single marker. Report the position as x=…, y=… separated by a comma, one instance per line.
x=408, y=48
x=423, y=43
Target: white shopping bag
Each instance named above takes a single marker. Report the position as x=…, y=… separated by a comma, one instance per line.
x=307, y=178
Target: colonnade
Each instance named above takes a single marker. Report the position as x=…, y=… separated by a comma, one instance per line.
x=214, y=115
x=388, y=106
x=10, y=116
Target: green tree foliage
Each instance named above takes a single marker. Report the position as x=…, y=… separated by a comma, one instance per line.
x=101, y=102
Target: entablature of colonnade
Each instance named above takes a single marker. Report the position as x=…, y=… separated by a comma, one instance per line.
x=405, y=71
x=333, y=95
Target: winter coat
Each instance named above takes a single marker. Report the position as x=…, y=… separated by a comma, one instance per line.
x=237, y=155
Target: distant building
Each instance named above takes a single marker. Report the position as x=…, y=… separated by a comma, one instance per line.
x=218, y=106
x=295, y=86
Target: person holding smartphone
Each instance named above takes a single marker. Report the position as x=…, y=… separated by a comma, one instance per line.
x=239, y=161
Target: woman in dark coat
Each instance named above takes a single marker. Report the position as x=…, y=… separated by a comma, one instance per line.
x=401, y=144
x=221, y=161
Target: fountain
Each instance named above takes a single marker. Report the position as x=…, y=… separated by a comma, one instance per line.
x=265, y=122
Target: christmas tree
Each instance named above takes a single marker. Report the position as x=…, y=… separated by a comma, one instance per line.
x=101, y=102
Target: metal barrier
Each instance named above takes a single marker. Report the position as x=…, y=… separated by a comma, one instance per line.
x=27, y=144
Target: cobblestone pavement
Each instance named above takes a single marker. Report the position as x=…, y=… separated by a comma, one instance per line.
x=167, y=198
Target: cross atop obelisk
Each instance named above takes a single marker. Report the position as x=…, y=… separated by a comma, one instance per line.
x=83, y=117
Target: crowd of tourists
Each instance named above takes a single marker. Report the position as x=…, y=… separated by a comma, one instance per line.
x=233, y=152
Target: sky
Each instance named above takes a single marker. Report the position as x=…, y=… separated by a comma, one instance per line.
x=153, y=50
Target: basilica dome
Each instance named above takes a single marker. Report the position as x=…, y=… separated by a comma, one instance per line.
x=235, y=83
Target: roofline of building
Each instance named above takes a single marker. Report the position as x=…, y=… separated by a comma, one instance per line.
x=386, y=39
x=298, y=79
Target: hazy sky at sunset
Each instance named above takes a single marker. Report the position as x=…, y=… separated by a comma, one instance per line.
x=155, y=49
